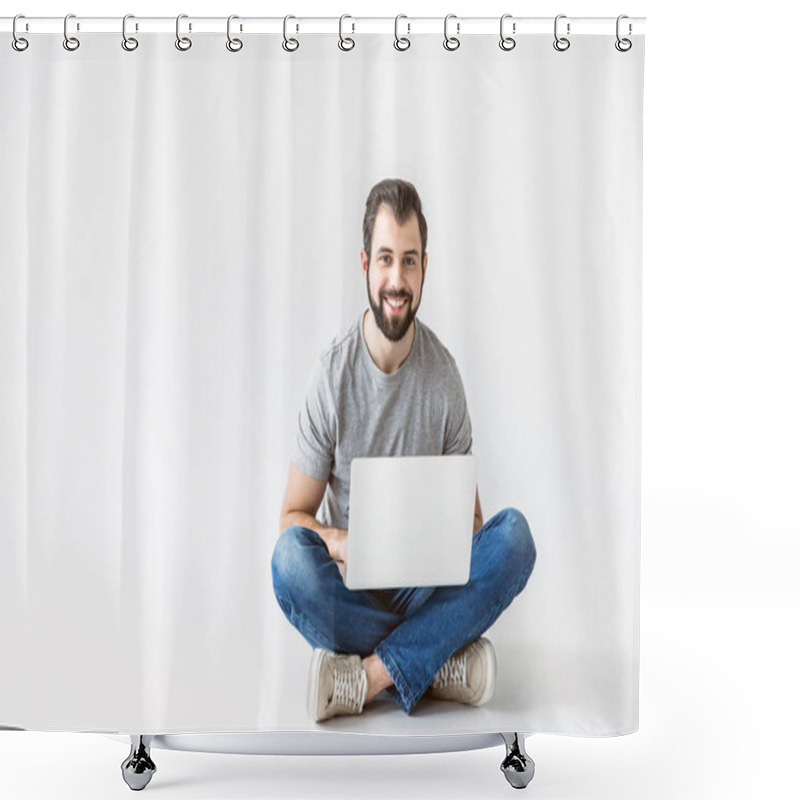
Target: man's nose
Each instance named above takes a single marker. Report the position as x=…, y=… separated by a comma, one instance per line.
x=395, y=275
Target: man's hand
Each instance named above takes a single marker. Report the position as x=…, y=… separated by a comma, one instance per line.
x=336, y=541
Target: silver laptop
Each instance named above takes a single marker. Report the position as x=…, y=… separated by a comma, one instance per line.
x=411, y=521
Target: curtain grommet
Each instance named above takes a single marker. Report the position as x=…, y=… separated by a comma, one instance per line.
x=561, y=43
x=451, y=42
x=129, y=43
x=19, y=43
x=289, y=44
x=233, y=44
x=70, y=43
x=183, y=43
x=507, y=42
x=623, y=44
x=401, y=42
x=345, y=42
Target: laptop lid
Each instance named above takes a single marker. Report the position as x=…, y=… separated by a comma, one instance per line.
x=411, y=521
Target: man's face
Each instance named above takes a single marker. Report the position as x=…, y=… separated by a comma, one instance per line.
x=396, y=273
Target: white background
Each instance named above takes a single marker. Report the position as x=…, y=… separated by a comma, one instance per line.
x=720, y=617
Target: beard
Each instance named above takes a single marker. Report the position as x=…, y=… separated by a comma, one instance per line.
x=393, y=327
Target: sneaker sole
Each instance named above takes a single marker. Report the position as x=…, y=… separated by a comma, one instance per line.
x=312, y=696
x=491, y=673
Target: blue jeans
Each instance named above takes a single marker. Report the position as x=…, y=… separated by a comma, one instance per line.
x=413, y=630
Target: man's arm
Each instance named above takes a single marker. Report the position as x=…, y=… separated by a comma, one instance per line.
x=478, y=524
x=300, y=503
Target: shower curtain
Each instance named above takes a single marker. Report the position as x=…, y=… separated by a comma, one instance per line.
x=181, y=238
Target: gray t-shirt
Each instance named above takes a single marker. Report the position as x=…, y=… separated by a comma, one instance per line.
x=353, y=409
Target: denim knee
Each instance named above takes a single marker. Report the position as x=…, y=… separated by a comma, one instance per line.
x=519, y=543
x=291, y=566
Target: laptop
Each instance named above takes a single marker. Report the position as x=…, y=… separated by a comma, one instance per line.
x=410, y=521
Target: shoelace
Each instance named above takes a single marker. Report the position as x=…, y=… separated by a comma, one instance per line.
x=453, y=672
x=349, y=688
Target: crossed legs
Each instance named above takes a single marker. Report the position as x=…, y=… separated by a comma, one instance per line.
x=403, y=635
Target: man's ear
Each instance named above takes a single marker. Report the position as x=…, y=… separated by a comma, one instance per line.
x=364, y=262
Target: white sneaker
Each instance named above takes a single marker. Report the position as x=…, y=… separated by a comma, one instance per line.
x=337, y=684
x=468, y=676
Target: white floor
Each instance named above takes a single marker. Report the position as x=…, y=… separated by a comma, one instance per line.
x=719, y=710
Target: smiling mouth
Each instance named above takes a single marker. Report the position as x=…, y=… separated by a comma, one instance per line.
x=395, y=304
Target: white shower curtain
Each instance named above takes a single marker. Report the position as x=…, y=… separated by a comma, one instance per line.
x=180, y=242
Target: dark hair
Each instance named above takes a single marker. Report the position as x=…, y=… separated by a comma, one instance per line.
x=402, y=199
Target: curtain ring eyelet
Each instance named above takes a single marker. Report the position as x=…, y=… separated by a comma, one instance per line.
x=18, y=42
x=401, y=42
x=129, y=43
x=234, y=45
x=70, y=42
x=183, y=43
x=506, y=42
x=561, y=43
x=451, y=42
x=623, y=45
x=346, y=43
x=289, y=44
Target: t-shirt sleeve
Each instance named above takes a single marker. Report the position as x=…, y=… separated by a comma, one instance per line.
x=458, y=427
x=314, y=444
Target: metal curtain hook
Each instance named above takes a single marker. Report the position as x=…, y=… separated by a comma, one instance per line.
x=401, y=43
x=561, y=43
x=70, y=42
x=346, y=43
x=181, y=42
x=506, y=42
x=128, y=42
x=18, y=43
x=623, y=45
x=234, y=45
x=290, y=45
x=451, y=42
